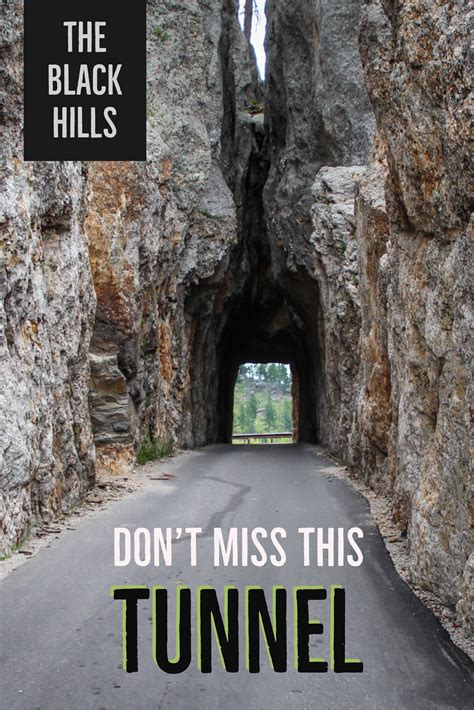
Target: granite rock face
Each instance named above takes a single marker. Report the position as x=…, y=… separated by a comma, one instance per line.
x=161, y=234
x=47, y=307
x=113, y=275
x=415, y=56
x=368, y=444
x=388, y=248
x=319, y=126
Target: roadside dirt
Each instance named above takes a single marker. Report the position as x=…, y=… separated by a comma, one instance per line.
x=109, y=488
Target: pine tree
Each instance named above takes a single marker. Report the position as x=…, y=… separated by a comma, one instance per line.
x=253, y=407
x=262, y=372
x=287, y=416
x=273, y=375
x=285, y=378
x=270, y=414
x=242, y=418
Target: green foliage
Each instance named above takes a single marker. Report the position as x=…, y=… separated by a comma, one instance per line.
x=16, y=547
x=253, y=406
x=242, y=418
x=287, y=416
x=160, y=33
x=254, y=106
x=154, y=448
x=262, y=399
x=270, y=414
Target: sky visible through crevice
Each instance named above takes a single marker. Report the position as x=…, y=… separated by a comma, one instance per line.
x=258, y=32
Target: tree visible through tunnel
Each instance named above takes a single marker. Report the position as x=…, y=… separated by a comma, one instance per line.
x=263, y=403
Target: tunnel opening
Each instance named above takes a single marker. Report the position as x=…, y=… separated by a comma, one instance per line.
x=267, y=326
x=263, y=404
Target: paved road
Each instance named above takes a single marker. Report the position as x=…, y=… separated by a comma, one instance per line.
x=60, y=646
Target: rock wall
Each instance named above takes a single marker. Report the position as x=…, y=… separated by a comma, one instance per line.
x=319, y=125
x=416, y=63
x=161, y=235
x=113, y=276
x=47, y=307
x=388, y=247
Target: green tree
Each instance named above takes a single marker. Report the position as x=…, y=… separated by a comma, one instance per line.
x=273, y=376
x=251, y=426
x=287, y=416
x=270, y=414
x=243, y=373
x=262, y=398
x=253, y=406
x=242, y=418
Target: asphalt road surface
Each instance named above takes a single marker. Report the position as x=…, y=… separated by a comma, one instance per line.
x=61, y=635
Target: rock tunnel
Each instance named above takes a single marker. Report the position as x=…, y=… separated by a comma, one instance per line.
x=273, y=329
x=268, y=321
x=284, y=292
x=268, y=314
